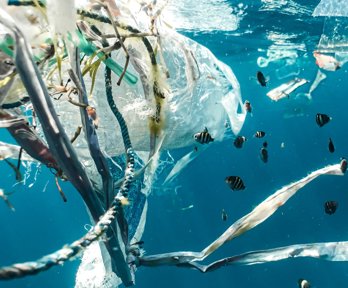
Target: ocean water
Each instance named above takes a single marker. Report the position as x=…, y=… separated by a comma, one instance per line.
x=285, y=33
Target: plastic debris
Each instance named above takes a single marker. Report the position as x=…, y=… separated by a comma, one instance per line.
x=285, y=89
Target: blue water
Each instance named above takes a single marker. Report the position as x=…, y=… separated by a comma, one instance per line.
x=42, y=223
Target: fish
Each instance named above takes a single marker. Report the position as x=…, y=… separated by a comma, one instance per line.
x=235, y=183
x=343, y=164
x=322, y=119
x=326, y=62
x=330, y=207
x=203, y=137
x=265, y=144
x=238, y=142
x=261, y=79
x=260, y=134
x=303, y=283
x=247, y=106
x=331, y=146
x=223, y=215
x=264, y=154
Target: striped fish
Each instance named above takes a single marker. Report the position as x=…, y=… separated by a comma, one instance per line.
x=238, y=142
x=235, y=183
x=203, y=137
x=322, y=119
x=260, y=134
x=330, y=207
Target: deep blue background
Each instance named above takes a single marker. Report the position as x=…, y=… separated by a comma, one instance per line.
x=42, y=222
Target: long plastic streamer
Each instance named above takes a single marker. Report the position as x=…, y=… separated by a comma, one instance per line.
x=329, y=251
x=262, y=212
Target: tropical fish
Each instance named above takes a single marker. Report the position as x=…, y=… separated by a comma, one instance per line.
x=259, y=134
x=265, y=144
x=235, y=183
x=330, y=207
x=203, y=137
x=264, y=154
x=261, y=79
x=343, y=165
x=247, y=106
x=303, y=283
x=223, y=215
x=331, y=146
x=238, y=142
x=286, y=89
x=322, y=119
x=326, y=62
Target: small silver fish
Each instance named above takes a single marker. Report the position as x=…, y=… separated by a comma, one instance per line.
x=203, y=137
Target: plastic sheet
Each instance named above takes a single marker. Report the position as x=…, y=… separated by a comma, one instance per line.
x=285, y=89
x=331, y=8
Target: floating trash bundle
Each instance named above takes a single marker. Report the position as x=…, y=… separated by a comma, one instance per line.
x=95, y=91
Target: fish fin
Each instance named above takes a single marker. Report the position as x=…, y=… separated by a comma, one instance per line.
x=205, y=129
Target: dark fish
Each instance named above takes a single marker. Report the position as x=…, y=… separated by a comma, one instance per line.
x=247, y=106
x=223, y=215
x=343, y=165
x=331, y=146
x=238, y=142
x=265, y=144
x=261, y=78
x=303, y=283
x=235, y=183
x=322, y=119
x=260, y=134
x=330, y=207
x=203, y=137
x=264, y=154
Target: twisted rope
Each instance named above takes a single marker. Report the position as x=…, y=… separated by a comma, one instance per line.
x=68, y=252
